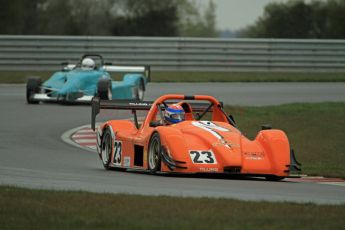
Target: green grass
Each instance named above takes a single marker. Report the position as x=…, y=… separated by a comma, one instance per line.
x=246, y=77
x=20, y=77
x=316, y=132
x=38, y=209
x=15, y=77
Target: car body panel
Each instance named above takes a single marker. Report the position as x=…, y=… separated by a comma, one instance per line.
x=124, y=89
x=73, y=84
x=74, y=81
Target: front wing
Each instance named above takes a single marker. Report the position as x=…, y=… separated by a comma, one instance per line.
x=45, y=98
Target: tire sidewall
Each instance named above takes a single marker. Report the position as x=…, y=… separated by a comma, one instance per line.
x=32, y=86
x=155, y=137
x=104, y=89
x=141, y=88
x=106, y=138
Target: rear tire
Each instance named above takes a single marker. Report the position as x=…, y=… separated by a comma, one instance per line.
x=154, y=156
x=33, y=86
x=140, y=91
x=106, y=149
x=104, y=89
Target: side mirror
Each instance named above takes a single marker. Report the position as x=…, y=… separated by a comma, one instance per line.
x=232, y=119
x=64, y=63
x=266, y=126
x=155, y=124
x=108, y=63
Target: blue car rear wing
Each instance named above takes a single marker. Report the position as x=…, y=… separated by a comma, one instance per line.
x=146, y=70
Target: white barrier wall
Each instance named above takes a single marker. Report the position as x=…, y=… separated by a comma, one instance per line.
x=175, y=54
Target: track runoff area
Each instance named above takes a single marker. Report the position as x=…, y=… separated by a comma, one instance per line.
x=84, y=137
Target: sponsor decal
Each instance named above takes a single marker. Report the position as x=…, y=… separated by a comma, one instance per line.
x=126, y=161
x=210, y=126
x=139, y=103
x=254, y=155
x=208, y=169
x=202, y=157
x=213, y=128
x=223, y=142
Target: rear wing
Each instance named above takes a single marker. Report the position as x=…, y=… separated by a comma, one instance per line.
x=133, y=105
x=146, y=70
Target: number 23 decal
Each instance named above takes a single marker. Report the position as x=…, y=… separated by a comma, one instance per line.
x=117, y=152
x=202, y=157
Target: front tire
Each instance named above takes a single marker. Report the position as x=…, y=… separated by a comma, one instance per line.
x=154, y=156
x=106, y=149
x=33, y=86
x=104, y=89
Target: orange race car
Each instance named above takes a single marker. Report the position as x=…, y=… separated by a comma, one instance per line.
x=189, y=134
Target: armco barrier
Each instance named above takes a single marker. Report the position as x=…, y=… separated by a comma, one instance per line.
x=23, y=53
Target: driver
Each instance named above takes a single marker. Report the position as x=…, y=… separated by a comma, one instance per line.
x=87, y=64
x=174, y=114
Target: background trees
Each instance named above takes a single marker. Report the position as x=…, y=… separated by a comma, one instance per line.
x=283, y=19
x=300, y=19
x=193, y=23
x=107, y=17
x=17, y=15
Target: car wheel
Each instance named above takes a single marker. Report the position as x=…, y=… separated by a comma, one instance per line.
x=154, y=156
x=106, y=149
x=274, y=178
x=32, y=86
x=104, y=89
x=140, y=91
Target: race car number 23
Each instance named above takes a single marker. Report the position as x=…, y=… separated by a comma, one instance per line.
x=117, y=152
x=202, y=157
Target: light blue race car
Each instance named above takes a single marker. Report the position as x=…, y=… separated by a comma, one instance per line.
x=88, y=78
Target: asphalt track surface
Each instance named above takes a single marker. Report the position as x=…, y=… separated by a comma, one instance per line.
x=33, y=155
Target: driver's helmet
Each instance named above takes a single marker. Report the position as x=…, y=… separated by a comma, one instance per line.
x=174, y=114
x=87, y=64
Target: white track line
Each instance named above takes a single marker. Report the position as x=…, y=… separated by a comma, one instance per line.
x=66, y=137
